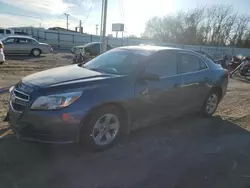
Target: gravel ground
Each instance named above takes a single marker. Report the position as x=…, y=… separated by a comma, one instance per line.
x=188, y=152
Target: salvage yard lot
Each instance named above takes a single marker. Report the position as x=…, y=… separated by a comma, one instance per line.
x=187, y=152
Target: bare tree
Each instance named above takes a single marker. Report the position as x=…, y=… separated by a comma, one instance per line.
x=211, y=24
x=240, y=30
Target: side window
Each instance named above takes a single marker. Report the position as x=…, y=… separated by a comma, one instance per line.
x=9, y=40
x=164, y=64
x=8, y=31
x=1, y=31
x=190, y=63
x=31, y=41
x=202, y=65
x=23, y=40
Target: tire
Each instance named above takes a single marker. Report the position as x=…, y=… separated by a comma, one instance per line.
x=36, y=52
x=102, y=128
x=211, y=103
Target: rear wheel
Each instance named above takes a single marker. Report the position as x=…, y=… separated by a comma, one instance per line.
x=102, y=128
x=210, y=104
x=36, y=52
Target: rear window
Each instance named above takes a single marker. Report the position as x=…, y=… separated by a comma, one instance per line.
x=1, y=31
x=211, y=63
x=8, y=31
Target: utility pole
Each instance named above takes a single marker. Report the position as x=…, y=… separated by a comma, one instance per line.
x=96, y=29
x=80, y=26
x=67, y=17
x=103, y=25
x=122, y=38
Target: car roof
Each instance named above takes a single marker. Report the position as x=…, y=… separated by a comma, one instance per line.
x=18, y=36
x=92, y=43
x=153, y=48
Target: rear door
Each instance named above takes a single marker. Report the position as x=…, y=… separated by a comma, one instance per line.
x=195, y=76
x=24, y=46
x=161, y=99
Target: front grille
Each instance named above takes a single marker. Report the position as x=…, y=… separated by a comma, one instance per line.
x=19, y=98
x=20, y=95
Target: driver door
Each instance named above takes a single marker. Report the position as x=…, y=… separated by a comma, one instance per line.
x=157, y=100
x=9, y=45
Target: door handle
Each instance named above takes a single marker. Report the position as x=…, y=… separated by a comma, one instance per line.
x=206, y=79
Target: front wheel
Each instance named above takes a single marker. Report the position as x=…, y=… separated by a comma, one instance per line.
x=210, y=104
x=102, y=128
x=36, y=52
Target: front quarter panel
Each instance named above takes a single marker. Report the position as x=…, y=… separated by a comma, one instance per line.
x=100, y=94
x=44, y=48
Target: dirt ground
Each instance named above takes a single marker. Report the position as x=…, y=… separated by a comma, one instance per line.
x=189, y=152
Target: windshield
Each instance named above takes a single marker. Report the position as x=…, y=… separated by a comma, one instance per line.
x=119, y=61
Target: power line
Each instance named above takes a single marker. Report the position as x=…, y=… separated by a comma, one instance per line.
x=90, y=9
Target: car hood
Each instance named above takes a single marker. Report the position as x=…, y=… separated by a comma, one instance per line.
x=78, y=47
x=63, y=75
x=45, y=44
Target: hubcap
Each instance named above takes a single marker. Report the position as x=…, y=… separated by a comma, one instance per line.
x=36, y=52
x=105, y=129
x=212, y=103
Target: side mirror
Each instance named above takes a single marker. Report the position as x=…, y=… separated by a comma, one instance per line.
x=149, y=77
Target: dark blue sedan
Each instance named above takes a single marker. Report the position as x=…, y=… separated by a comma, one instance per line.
x=114, y=93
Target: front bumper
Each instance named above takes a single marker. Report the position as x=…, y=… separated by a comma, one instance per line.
x=47, y=50
x=45, y=126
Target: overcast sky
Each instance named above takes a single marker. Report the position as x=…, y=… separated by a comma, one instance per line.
x=133, y=13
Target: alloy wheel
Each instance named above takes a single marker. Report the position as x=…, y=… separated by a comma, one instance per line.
x=212, y=102
x=106, y=129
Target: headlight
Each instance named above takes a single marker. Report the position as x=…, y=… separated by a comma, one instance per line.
x=11, y=89
x=56, y=101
